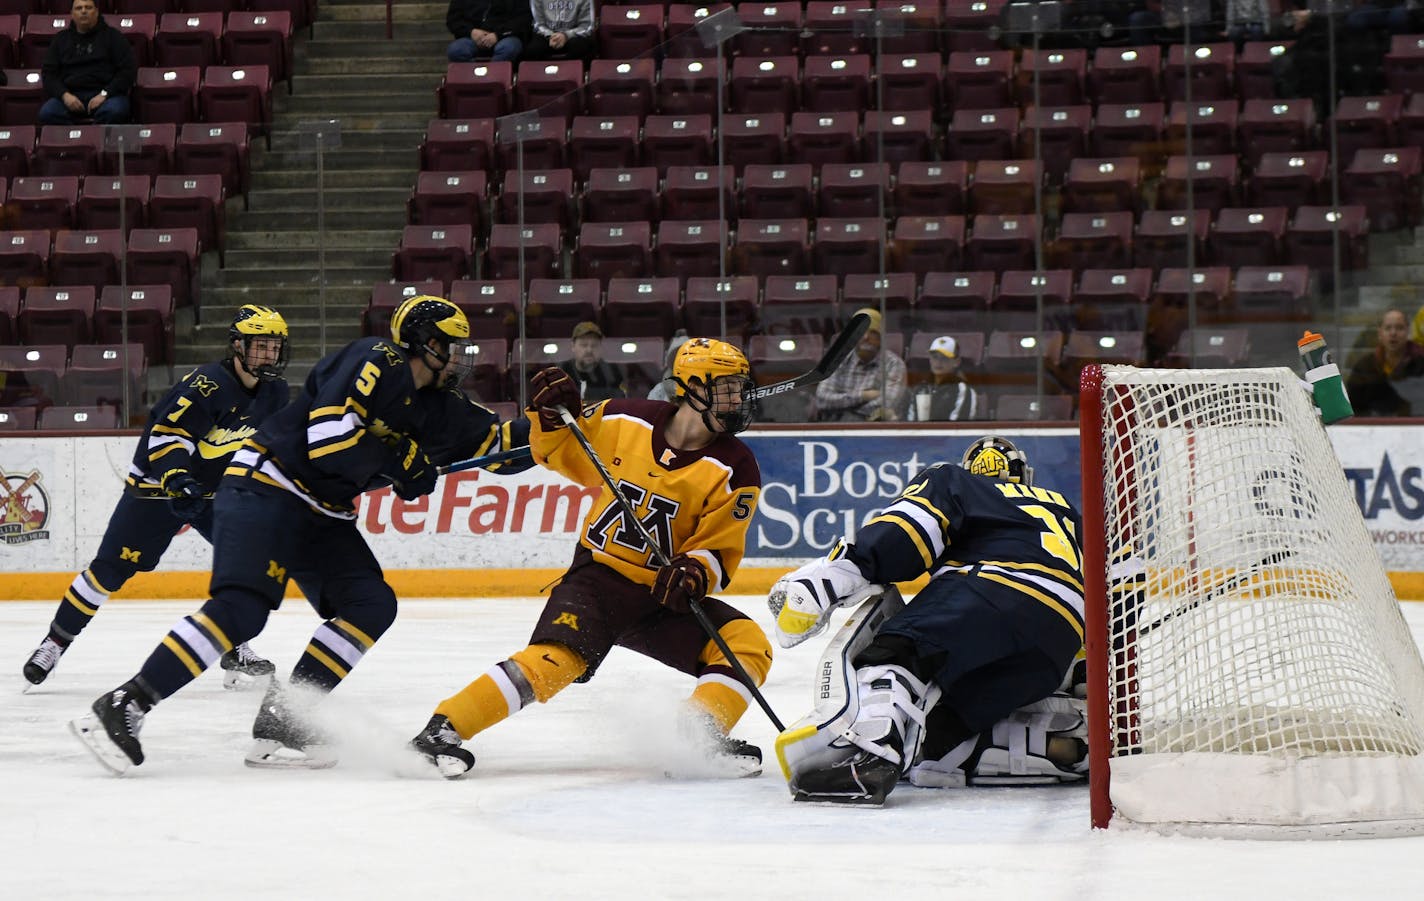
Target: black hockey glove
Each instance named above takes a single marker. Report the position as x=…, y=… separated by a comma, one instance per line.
x=187, y=497
x=679, y=583
x=414, y=475
x=553, y=388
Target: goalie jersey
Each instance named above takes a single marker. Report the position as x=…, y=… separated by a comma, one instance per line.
x=338, y=437
x=957, y=525
x=199, y=424
x=695, y=502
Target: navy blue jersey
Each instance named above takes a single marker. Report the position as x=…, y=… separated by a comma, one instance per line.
x=199, y=424
x=339, y=437
x=956, y=525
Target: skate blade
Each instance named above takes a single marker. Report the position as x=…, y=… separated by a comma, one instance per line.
x=91, y=734
x=236, y=680
x=715, y=768
x=273, y=755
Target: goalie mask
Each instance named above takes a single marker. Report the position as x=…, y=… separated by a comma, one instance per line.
x=716, y=377
x=259, y=338
x=998, y=458
x=420, y=318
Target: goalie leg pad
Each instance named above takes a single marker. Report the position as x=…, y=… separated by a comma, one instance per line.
x=867, y=723
x=1043, y=743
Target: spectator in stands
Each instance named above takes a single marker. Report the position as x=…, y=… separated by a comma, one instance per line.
x=948, y=397
x=1392, y=15
x=663, y=390
x=1389, y=381
x=87, y=71
x=563, y=29
x=488, y=29
x=869, y=386
x=597, y=379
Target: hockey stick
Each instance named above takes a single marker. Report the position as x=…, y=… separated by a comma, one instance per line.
x=517, y=454
x=1227, y=586
x=662, y=560
x=830, y=361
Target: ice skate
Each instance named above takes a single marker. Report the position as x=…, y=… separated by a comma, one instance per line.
x=281, y=739
x=439, y=743
x=243, y=668
x=719, y=756
x=110, y=732
x=43, y=661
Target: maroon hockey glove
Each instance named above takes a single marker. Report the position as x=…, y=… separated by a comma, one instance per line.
x=682, y=581
x=552, y=388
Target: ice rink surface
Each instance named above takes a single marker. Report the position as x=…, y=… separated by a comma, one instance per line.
x=568, y=800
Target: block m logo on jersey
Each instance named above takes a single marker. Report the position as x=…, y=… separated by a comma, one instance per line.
x=655, y=512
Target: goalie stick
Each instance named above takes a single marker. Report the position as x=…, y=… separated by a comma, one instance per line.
x=662, y=560
x=1221, y=589
x=830, y=361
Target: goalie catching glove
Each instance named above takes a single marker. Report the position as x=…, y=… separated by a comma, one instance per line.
x=553, y=388
x=802, y=601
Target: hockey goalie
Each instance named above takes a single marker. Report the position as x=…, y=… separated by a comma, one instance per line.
x=972, y=681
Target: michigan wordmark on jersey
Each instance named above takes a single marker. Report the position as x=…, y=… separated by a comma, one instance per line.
x=199, y=424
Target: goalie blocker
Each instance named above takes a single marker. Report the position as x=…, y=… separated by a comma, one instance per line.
x=874, y=725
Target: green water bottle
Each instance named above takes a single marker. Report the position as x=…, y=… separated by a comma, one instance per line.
x=1324, y=378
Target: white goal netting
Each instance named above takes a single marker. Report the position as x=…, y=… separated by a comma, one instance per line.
x=1260, y=672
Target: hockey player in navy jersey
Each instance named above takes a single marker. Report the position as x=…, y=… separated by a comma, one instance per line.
x=377, y=412
x=970, y=666
x=190, y=435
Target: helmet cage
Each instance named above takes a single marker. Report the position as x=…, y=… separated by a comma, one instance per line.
x=254, y=322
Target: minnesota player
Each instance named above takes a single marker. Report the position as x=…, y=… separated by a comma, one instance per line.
x=695, y=487
x=190, y=435
x=996, y=629
x=377, y=412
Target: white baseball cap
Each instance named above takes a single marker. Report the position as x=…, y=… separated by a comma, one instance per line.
x=946, y=345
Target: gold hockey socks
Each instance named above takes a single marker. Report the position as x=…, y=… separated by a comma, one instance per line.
x=536, y=673
x=719, y=690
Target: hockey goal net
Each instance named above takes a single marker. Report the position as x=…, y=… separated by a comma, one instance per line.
x=1250, y=670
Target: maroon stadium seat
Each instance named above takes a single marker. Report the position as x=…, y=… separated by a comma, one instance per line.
x=854, y=189
x=1404, y=64
x=1255, y=68
x=492, y=305
x=487, y=360
x=387, y=296
x=21, y=96
x=62, y=315
x=910, y=81
x=1126, y=74
x=688, y=248
x=1062, y=137
x=753, y=138
x=42, y=201
x=96, y=375
x=149, y=310
x=820, y=138
x=602, y=142
x=87, y=258
x=140, y=30
x=799, y=305
x=1384, y=182
x=642, y=307
x=773, y=29
x=17, y=145
x=29, y=375
x=1272, y=292
x=1366, y=123
x=68, y=150
x=458, y=145
x=830, y=29
x=166, y=94
x=614, y=250
x=710, y=300
x=440, y=252
x=101, y=196
x=924, y=244
x=238, y=94
x=18, y=419
x=9, y=312
x=688, y=87
x=77, y=419
x=1101, y=240
x=40, y=29
x=482, y=90
x=1163, y=237
x=1130, y=129
x=1275, y=126
x=547, y=195
x=1248, y=236
x=778, y=192
x=766, y=247
x=1112, y=298
x=540, y=245
x=898, y=136
x=997, y=243
x=556, y=306
x=847, y=245
x=215, y=148
x=538, y=144
x=1213, y=127
x=835, y=83
x=1210, y=286
x=677, y=141
x=1290, y=179
x=24, y=257
x=549, y=87
x=690, y=192
x=1004, y=186
x=621, y=195
x=1214, y=183
x=1061, y=75
x=1211, y=69
x=954, y=300
x=450, y=198
x=162, y=256
x=152, y=156
x=260, y=38
x=1100, y=185
x=1310, y=239
x=626, y=32
x=768, y=84
x=191, y=201
x=621, y=87
x=931, y=188
x=187, y=39
x=979, y=80
x=982, y=134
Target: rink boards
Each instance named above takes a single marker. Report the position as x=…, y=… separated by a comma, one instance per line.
x=487, y=535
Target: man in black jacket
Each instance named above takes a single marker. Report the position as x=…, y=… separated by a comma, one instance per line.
x=488, y=29
x=88, y=71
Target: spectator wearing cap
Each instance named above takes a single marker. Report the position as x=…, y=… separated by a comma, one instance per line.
x=951, y=398
x=869, y=386
x=598, y=380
